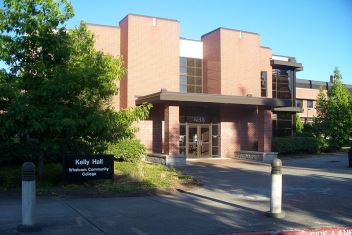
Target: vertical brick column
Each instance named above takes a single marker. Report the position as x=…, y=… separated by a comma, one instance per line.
x=264, y=129
x=172, y=130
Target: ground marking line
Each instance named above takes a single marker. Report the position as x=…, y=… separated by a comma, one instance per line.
x=84, y=217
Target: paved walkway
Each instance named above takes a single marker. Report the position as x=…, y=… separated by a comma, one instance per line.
x=234, y=198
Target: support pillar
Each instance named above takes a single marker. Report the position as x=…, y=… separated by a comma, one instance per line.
x=264, y=129
x=172, y=136
x=172, y=132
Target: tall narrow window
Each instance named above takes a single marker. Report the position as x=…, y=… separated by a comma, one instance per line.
x=282, y=84
x=191, y=75
x=263, y=82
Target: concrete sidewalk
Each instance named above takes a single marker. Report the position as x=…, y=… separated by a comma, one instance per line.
x=234, y=198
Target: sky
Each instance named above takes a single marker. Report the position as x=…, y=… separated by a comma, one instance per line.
x=318, y=33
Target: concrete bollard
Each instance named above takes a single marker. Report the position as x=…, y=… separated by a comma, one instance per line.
x=28, y=198
x=276, y=189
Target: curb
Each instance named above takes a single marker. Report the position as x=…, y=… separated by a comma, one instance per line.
x=316, y=231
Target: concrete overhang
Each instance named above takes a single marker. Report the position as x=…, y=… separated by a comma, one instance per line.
x=177, y=97
x=297, y=66
x=288, y=109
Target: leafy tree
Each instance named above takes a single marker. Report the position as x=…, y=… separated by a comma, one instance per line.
x=334, y=109
x=56, y=91
x=299, y=125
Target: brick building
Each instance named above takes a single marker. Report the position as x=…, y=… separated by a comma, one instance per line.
x=211, y=97
x=306, y=96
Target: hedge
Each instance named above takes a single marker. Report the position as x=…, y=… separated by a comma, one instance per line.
x=128, y=150
x=295, y=145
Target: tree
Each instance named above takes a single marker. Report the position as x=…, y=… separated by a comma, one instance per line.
x=57, y=89
x=334, y=109
x=299, y=125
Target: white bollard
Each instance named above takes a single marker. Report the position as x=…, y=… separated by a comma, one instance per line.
x=28, y=198
x=276, y=189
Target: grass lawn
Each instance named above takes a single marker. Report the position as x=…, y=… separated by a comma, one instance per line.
x=129, y=178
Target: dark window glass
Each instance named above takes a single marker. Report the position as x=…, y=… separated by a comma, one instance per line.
x=191, y=75
x=215, y=151
x=191, y=62
x=309, y=103
x=282, y=124
x=190, y=71
x=191, y=80
x=282, y=84
x=198, y=80
x=198, y=63
x=299, y=103
x=263, y=83
x=198, y=89
x=198, y=72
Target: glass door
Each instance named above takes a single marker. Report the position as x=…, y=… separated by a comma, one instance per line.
x=204, y=142
x=198, y=138
x=192, y=142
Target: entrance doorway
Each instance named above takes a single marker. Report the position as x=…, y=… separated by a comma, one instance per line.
x=199, y=140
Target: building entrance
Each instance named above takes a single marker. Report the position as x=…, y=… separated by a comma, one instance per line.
x=199, y=140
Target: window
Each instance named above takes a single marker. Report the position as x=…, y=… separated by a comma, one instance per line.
x=309, y=103
x=282, y=124
x=299, y=103
x=191, y=75
x=263, y=83
x=282, y=81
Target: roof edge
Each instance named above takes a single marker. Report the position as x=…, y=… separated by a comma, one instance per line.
x=146, y=16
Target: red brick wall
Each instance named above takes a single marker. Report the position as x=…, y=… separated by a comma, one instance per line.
x=265, y=56
x=307, y=94
x=152, y=55
x=107, y=40
x=238, y=126
x=240, y=63
x=233, y=61
x=211, y=63
x=172, y=133
x=124, y=54
x=264, y=129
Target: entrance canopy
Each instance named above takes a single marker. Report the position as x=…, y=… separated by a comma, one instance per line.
x=165, y=96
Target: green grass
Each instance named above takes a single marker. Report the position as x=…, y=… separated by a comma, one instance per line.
x=129, y=178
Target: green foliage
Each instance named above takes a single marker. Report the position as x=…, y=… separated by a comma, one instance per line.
x=334, y=109
x=128, y=150
x=57, y=89
x=131, y=177
x=284, y=145
x=137, y=177
x=299, y=125
x=11, y=177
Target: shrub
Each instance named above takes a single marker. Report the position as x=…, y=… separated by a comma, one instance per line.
x=127, y=150
x=296, y=145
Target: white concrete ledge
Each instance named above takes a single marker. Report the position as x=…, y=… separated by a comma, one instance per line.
x=256, y=156
x=163, y=159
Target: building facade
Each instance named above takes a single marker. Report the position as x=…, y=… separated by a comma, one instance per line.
x=211, y=97
x=306, y=96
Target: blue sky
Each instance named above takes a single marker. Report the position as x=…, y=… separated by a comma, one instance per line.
x=317, y=32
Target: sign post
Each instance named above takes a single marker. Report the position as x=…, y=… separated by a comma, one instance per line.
x=81, y=168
